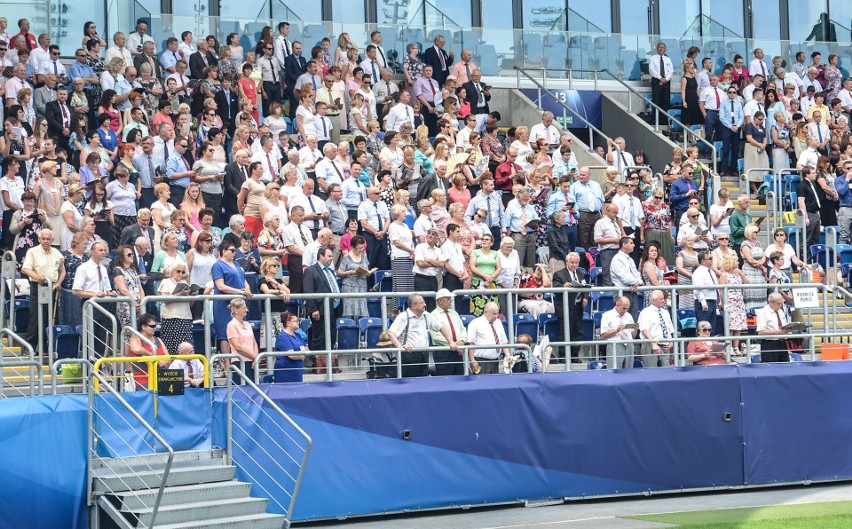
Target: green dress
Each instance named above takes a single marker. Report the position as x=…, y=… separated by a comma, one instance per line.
x=486, y=264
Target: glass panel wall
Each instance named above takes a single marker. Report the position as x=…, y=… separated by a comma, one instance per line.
x=806, y=22
x=497, y=26
x=67, y=18
x=590, y=17
x=679, y=18
x=634, y=17
x=348, y=11
x=841, y=19
x=766, y=19
x=723, y=18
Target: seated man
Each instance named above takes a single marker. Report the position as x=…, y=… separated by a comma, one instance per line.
x=193, y=370
x=771, y=320
x=619, y=349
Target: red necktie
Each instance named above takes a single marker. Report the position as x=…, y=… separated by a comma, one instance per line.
x=496, y=338
x=450, y=321
x=271, y=169
x=432, y=87
x=718, y=101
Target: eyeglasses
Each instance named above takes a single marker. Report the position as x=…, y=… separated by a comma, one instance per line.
x=151, y=325
x=267, y=48
x=180, y=271
x=732, y=91
x=693, y=216
x=273, y=266
x=183, y=145
x=780, y=234
x=721, y=238
x=76, y=55
x=230, y=250
x=703, y=330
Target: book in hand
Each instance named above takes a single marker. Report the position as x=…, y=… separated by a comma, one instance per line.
x=701, y=233
x=759, y=220
x=718, y=347
x=362, y=272
x=794, y=326
x=181, y=287
x=156, y=275
x=631, y=326
x=533, y=224
x=243, y=262
x=730, y=211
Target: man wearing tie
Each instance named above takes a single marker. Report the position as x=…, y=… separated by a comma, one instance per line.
x=754, y=106
x=148, y=166
x=316, y=214
x=44, y=95
x=295, y=66
x=52, y=65
x=58, y=115
x=758, y=66
x=381, y=56
x=488, y=200
x=328, y=170
x=624, y=273
x=402, y=112
x=771, y=320
x=707, y=294
x=283, y=48
x=144, y=259
x=236, y=173
x=487, y=330
x=621, y=156
x=571, y=276
x=370, y=65
x=438, y=59
x=478, y=95
x=516, y=223
x=273, y=79
x=178, y=172
x=201, y=59
x=320, y=278
x=710, y=102
x=425, y=90
x=170, y=57
x=587, y=196
x=374, y=218
x=655, y=323
x=661, y=69
x=296, y=238
x=731, y=118
x=228, y=105
x=448, y=363
x=819, y=130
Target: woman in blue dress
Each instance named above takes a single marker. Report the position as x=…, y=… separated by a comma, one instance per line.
x=289, y=368
x=228, y=278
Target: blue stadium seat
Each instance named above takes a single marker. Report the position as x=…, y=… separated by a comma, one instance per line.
x=462, y=304
x=22, y=314
x=466, y=319
x=795, y=357
x=374, y=307
x=637, y=364
x=755, y=359
x=596, y=276
x=525, y=324
x=686, y=322
x=348, y=334
x=267, y=379
x=588, y=330
x=66, y=342
x=198, y=337
x=384, y=280
x=370, y=328
x=596, y=364
x=597, y=317
x=549, y=324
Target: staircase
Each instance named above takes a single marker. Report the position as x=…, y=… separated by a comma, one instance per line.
x=200, y=492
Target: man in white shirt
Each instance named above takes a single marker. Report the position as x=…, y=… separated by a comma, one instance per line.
x=283, y=48
x=448, y=363
x=40, y=53
x=622, y=156
x=784, y=78
x=269, y=158
x=756, y=83
x=381, y=56
x=771, y=320
x=819, y=130
x=410, y=332
x=607, y=234
x=370, y=65
x=845, y=95
x=296, y=238
x=661, y=69
x=710, y=102
x=181, y=79
x=309, y=155
x=453, y=257
x=325, y=238
x=694, y=229
x=809, y=156
x=463, y=136
x=811, y=80
x=487, y=330
x=401, y=112
x=15, y=84
x=655, y=323
x=423, y=223
x=92, y=281
x=707, y=295
x=624, y=273
x=328, y=170
x=565, y=140
x=754, y=106
x=316, y=212
x=139, y=37
x=630, y=212
x=703, y=77
x=428, y=264
x=758, y=65
x=186, y=48
x=51, y=66
x=546, y=129
x=619, y=349
x=119, y=50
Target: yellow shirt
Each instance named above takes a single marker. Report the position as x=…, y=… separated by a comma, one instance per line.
x=45, y=264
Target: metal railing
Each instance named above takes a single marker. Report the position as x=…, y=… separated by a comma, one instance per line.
x=295, y=455
x=152, y=362
x=28, y=362
x=91, y=343
x=565, y=108
x=98, y=440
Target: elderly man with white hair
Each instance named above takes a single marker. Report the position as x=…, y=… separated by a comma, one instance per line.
x=310, y=155
x=328, y=170
x=42, y=263
x=293, y=159
x=269, y=157
x=193, y=369
x=655, y=323
x=546, y=129
x=771, y=320
x=618, y=331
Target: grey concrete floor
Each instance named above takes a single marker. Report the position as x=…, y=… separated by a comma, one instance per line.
x=595, y=514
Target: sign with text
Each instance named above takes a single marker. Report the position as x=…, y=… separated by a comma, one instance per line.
x=806, y=298
x=586, y=103
x=169, y=382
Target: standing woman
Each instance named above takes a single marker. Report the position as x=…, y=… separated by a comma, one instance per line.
x=233, y=43
x=175, y=316
x=781, y=145
x=653, y=268
x=691, y=113
x=833, y=77
x=125, y=277
x=123, y=195
x=101, y=210
x=146, y=325
x=739, y=73
x=50, y=194
x=14, y=149
x=412, y=68
x=734, y=304
x=557, y=241
x=686, y=263
x=71, y=216
x=658, y=224
x=248, y=88
x=161, y=210
x=485, y=267
x=355, y=258
x=193, y=203
x=289, y=368
x=826, y=192
x=240, y=336
x=90, y=31
x=754, y=267
x=250, y=198
x=402, y=251
x=780, y=244
x=305, y=117
x=265, y=38
x=12, y=189
x=107, y=107
x=26, y=224
x=70, y=306
x=228, y=278
x=209, y=177
x=268, y=284
x=755, y=150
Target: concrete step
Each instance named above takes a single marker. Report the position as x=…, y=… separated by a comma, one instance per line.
x=174, y=514
x=111, y=482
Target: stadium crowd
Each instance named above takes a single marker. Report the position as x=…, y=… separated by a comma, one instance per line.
x=309, y=167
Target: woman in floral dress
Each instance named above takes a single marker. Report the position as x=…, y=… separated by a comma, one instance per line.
x=538, y=199
x=658, y=224
x=734, y=305
x=686, y=262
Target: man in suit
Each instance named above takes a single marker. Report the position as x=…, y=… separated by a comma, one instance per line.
x=570, y=276
x=45, y=94
x=228, y=105
x=58, y=115
x=200, y=60
x=148, y=57
x=430, y=182
x=478, y=95
x=144, y=259
x=439, y=60
x=236, y=173
x=296, y=65
x=321, y=279
x=142, y=228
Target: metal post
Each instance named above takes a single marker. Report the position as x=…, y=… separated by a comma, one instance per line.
x=229, y=449
x=326, y=307
x=206, y=304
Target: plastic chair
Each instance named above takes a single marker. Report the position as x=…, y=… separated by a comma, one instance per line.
x=686, y=322
x=348, y=334
x=755, y=359
x=596, y=276
x=371, y=329
x=525, y=324
x=549, y=325
x=588, y=329
x=374, y=307
x=466, y=319
x=66, y=342
x=596, y=364
x=22, y=315
x=597, y=317
x=463, y=305
x=384, y=280
x=637, y=364
x=198, y=343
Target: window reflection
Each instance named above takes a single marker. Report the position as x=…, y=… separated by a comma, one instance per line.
x=805, y=21
x=634, y=17
x=679, y=18
x=723, y=18
x=766, y=19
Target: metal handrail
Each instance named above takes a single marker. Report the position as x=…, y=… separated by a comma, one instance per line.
x=592, y=129
x=153, y=360
x=8, y=262
x=271, y=403
x=88, y=310
x=90, y=442
x=30, y=359
x=33, y=366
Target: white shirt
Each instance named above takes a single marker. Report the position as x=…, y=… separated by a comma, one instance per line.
x=312, y=204
x=399, y=115
x=38, y=56
x=649, y=321
x=806, y=82
x=413, y=330
x=705, y=277
x=623, y=271
x=46, y=67
x=611, y=319
x=329, y=171
x=124, y=53
x=452, y=253
x=424, y=251
x=824, y=134
x=758, y=66
x=654, y=67
x=690, y=230
x=767, y=319
x=724, y=226
x=789, y=78
x=748, y=93
x=401, y=234
x=551, y=134
x=135, y=42
x=845, y=97
x=630, y=210
x=88, y=280
x=708, y=96
x=481, y=332
x=293, y=235
x=308, y=156
x=703, y=78
x=463, y=139
x=808, y=158
x=752, y=107
x=270, y=164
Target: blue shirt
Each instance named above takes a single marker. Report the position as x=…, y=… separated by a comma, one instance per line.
x=145, y=175
x=512, y=218
x=177, y=164
x=843, y=192
x=490, y=203
x=168, y=59
x=730, y=118
x=354, y=193
x=678, y=197
x=587, y=197
x=555, y=201
x=109, y=140
x=287, y=370
x=78, y=70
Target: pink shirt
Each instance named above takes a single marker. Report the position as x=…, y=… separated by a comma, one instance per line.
x=242, y=334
